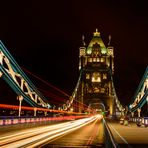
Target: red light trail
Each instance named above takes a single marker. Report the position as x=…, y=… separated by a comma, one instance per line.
x=15, y=107
x=49, y=94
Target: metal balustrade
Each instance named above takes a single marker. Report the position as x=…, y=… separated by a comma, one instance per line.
x=143, y=121
x=13, y=120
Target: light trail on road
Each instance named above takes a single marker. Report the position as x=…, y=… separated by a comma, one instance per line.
x=33, y=137
x=91, y=135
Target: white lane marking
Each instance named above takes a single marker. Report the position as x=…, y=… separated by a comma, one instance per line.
x=120, y=136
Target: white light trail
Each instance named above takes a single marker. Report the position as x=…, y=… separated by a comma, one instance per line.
x=33, y=137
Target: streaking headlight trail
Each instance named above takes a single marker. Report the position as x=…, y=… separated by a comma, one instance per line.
x=34, y=137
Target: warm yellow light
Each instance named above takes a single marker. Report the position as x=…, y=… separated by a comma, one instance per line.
x=71, y=109
x=96, y=79
x=87, y=76
x=96, y=33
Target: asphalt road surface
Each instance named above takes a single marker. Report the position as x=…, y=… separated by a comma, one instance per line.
x=90, y=135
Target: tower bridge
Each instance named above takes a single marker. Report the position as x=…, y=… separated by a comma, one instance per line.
x=94, y=90
x=93, y=93
x=96, y=61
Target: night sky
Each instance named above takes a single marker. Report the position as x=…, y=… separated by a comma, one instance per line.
x=44, y=38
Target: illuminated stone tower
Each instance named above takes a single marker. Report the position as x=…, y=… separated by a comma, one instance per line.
x=96, y=61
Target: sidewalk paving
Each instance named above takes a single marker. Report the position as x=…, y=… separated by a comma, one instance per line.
x=132, y=134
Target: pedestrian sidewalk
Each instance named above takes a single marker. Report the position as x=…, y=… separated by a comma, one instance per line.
x=129, y=134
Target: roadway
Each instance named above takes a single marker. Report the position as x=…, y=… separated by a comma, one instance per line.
x=90, y=135
x=75, y=133
x=129, y=136
x=86, y=132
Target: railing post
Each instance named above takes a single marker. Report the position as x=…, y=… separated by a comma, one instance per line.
x=20, y=98
x=35, y=109
x=132, y=114
x=45, y=113
x=139, y=110
x=122, y=112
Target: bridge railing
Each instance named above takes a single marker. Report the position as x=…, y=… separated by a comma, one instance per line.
x=143, y=120
x=13, y=120
x=108, y=137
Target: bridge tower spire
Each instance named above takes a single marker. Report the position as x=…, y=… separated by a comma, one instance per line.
x=96, y=62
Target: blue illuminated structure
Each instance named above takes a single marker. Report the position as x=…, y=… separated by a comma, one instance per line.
x=11, y=72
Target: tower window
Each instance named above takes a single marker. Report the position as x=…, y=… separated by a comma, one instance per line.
x=90, y=60
x=94, y=59
x=96, y=77
x=87, y=76
x=96, y=49
x=98, y=60
x=104, y=76
x=102, y=60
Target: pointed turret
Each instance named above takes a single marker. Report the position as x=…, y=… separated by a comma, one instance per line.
x=82, y=53
x=96, y=40
x=111, y=54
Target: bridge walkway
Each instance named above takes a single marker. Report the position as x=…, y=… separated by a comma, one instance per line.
x=130, y=136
